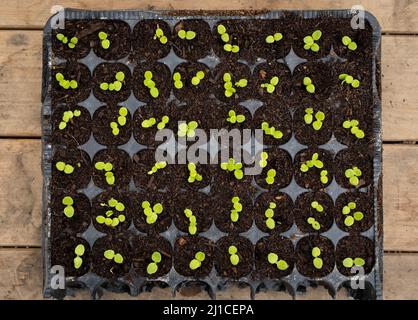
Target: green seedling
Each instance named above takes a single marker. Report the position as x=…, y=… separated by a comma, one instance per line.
x=193, y=174
x=272, y=38
x=178, y=84
x=271, y=131
x=68, y=116
x=112, y=255
x=153, y=266
x=200, y=75
x=350, y=218
x=230, y=87
x=157, y=166
x=263, y=159
x=314, y=223
x=121, y=121
x=114, y=208
x=225, y=37
x=323, y=176
x=310, y=43
x=231, y=48
x=350, y=262
x=150, y=84
x=235, y=118
x=350, y=44
x=66, y=84
x=64, y=167
x=354, y=129
x=187, y=129
x=234, y=167
x=104, y=41
x=346, y=78
x=271, y=174
x=79, y=252
x=309, y=86
x=317, y=260
x=107, y=167
x=317, y=206
x=116, y=85
x=71, y=44
x=281, y=264
x=319, y=118
x=148, y=123
x=186, y=35
x=159, y=35
x=237, y=209
x=233, y=255
x=69, y=209
x=269, y=214
x=271, y=85
x=199, y=257
x=192, y=221
x=151, y=212
x=314, y=162
x=353, y=174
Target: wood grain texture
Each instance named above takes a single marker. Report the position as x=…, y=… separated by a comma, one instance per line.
x=21, y=278
x=20, y=85
x=394, y=15
x=20, y=196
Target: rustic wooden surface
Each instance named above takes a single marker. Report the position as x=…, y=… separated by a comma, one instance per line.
x=21, y=22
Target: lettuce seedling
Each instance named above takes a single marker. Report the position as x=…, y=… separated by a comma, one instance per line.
x=351, y=218
x=319, y=118
x=236, y=168
x=64, y=167
x=187, y=129
x=354, y=129
x=269, y=214
x=309, y=86
x=235, y=118
x=200, y=75
x=271, y=174
x=159, y=34
x=71, y=44
x=350, y=262
x=281, y=264
x=107, y=167
x=69, y=209
x=346, y=78
x=263, y=161
x=229, y=86
x=121, y=121
x=314, y=162
x=271, y=131
x=197, y=261
x=310, y=43
x=79, y=252
x=178, y=84
x=67, y=116
x=353, y=174
x=116, y=85
x=350, y=44
x=272, y=38
x=150, y=84
x=314, y=223
x=151, y=212
x=112, y=255
x=193, y=174
x=104, y=41
x=153, y=266
x=317, y=261
x=192, y=221
x=110, y=220
x=237, y=209
x=271, y=85
x=186, y=35
x=157, y=166
x=233, y=255
x=64, y=83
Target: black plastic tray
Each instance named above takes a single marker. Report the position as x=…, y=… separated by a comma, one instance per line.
x=135, y=284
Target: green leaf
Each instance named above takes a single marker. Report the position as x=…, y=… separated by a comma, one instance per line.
x=163, y=39
x=102, y=35
x=68, y=201
x=269, y=213
x=105, y=44
x=118, y=258
x=308, y=40
x=349, y=221
x=345, y=210
x=194, y=264
x=154, y=92
x=278, y=36
x=272, y=258
x=317, y=125
x=354, y=181
x=225, y=37
x=318, y=263
x=200, y=256
x=79, y=250
x=182, y=34
x=158, y=208
x=270, y=39
x=239, y=174
x=315, y=47
x=152, y=268
x=156, y=257
x=221, y=29
x=358, y=216
x=282, y=265
x=359, y=262
x=310, y=88
x=100, y=219
x=308, y=118
x=234, y=216
x=316, y=35
x=69, y=211
x=234, y=259
x=346, y=40
x=78, y=262
x=348, y=262
x=316, y=252
x=109, y=254
x=270, y=223
x=352, y=46
x=232, y=250
x=190, y=35
x=352, y=205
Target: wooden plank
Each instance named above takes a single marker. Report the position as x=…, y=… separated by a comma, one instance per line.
x=394, y=15
x=20, y=180
x=20, y=85
x=21, y=278
x=20, y=196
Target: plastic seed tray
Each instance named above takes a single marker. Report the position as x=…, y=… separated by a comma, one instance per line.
x=294, y=281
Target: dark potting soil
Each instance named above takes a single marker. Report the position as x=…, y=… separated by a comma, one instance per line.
x=222, y=206
x=118, y=34
x=78, y=223
x=245, y=252
x=263, y=74
x=102, y=131
x=281, y=161
x=143, y=162
x=108, y=268
x=305, y=27
x=279, y=245
x=194, y=49
x=73, y=28
x=311, y=178
x=353, y=157
x=106, y=72
x=79, y=178
x=121, y=163
x=305, y=133
x=185, y=249
x=199, y=203
x=305, y=259
x=345, y=93
x=190, y=92
x=145, y=45
x=323, y=77
x=348, y=113
x=77, y=130
x=283, y=212
x=363, y=205
x=100, y=205
x=237, y=72
x=144, y=247
x=277, y=115
x=304, y=210
x=147, y=136
x=164, y=218
x=160, y=76
x=63, y=254
x=354, y=246
x=71, y=71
